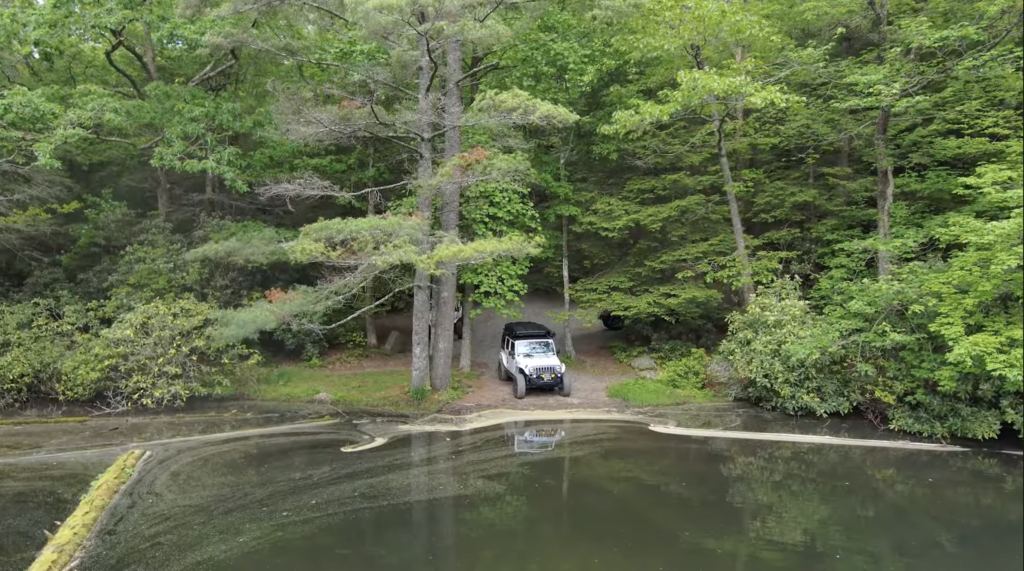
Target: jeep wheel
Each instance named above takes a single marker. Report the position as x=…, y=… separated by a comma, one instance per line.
x=501, y=372
x=613, y=322
x=519, y=386
x=565, y=389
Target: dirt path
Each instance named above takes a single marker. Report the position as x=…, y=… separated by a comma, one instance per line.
x=590, y=379
x=590, y=376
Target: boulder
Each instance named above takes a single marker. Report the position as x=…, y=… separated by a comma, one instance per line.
x=322, y=398
x=644, y=363
x=391, y=344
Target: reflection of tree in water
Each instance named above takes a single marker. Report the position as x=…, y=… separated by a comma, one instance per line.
x=510, y=508
x=800, y=506
x=871, y=507
x=266, y=490
x=778, y=506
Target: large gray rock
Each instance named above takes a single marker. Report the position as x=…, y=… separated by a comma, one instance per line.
x=644, y=363
x=391, y=345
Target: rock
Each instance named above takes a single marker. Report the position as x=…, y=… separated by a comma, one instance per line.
x=720, y=371
x=391, y=344
x=648, y=374
x=644, y=363
x=322, y=398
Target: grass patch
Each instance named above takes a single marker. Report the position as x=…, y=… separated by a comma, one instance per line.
x=378, y=390
x=640, y=392
x=58, y=552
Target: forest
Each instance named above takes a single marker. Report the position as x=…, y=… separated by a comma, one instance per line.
x=811, y=205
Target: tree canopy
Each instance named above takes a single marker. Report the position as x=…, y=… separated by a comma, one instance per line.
x=826, y=196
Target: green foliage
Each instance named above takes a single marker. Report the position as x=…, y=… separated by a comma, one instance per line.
x=154, y=267
x=124, y=190
x=518, y=108
x=158, y=353
x=35, y=337
x=248, y=244
x=786, y=358
x=687, y=373
x=495, y=210
x=681, y=376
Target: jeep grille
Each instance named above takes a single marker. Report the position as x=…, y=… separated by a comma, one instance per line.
x=546, y=371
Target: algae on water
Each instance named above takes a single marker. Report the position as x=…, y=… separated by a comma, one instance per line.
x=63, y=546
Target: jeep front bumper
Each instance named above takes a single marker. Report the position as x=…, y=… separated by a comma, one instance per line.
x=544, y=380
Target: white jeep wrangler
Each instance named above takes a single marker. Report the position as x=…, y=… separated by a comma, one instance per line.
x=529, y=359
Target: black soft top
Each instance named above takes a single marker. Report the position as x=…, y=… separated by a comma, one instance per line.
x=527, y=330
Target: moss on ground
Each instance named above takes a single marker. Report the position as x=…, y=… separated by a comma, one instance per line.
x=384, y=390
x=72, y=534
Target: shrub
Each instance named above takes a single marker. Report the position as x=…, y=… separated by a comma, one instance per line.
x=34, y=338
x=687, y=372
x=158, y=354
x=787, y=358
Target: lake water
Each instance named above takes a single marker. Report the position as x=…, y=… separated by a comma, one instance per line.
x=578, y=495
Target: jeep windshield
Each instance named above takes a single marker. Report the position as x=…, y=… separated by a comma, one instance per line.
x=538, y=348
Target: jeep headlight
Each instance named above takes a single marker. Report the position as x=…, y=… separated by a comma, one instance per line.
x=529, y=369
x=562, y=367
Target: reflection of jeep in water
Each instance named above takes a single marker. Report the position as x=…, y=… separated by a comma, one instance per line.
x=529, y=359
x=534, y=439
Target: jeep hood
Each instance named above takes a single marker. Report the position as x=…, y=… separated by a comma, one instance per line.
x=541, y=360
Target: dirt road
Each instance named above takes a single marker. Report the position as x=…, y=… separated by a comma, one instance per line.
x=591, y=375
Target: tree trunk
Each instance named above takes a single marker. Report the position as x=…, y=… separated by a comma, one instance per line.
x=570, y=351
x=443, y=342
x=883, y=164
x=844, y=150
x=740, y=55
x=886, y=187
x=371, y=322
x=445, y=542
x=163, y=194
x=420, y=371
x=211, y=191
x=419, y=491
x=148, y=53
x=466, y=355
x=734, y=215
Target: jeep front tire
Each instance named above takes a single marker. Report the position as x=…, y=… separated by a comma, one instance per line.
x=565, y=389
x=519, y=386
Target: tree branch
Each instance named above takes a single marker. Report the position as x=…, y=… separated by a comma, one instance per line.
x=326, y=10
x=312, y=187
x=208, y=74
x=109, y=54
x=491, y=11
x=479, y=69
x=331, y=64
x=135, y=53
x=361, y=311
x=977, y=53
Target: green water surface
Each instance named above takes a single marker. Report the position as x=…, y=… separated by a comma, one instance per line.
x=597, y=496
